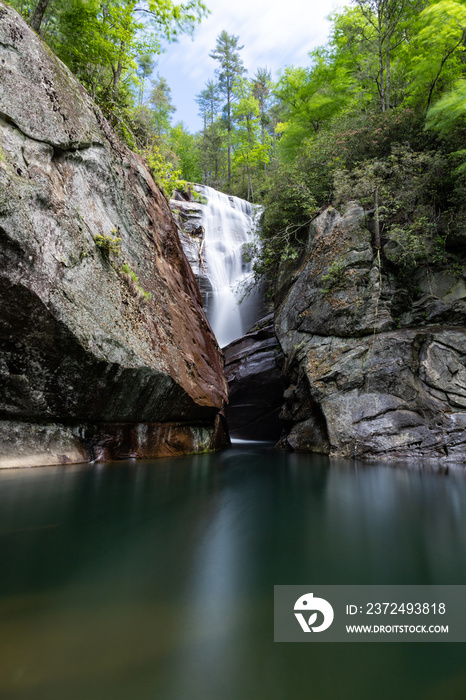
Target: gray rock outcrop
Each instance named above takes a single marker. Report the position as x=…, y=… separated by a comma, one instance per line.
x=253, y=368
x=188, y=215
x=375, y=370
x=104, y=347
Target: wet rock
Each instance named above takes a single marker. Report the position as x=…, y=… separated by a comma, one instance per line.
x=81, y=339
x=304, y=426
x=395, y=395
x=24, y=444
x=188, y=215
x=371, y=374
x=253, y=368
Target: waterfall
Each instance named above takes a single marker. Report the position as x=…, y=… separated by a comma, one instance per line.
x=229, y=223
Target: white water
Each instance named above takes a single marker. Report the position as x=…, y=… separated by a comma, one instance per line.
x=229, y=223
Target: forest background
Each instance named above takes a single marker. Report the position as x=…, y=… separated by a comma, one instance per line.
x=377, y=114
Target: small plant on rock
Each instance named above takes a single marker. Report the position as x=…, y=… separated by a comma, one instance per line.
x=334, y=276
x=133, y=283
x=108, y=244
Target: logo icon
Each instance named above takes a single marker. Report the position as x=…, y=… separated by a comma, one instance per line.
x=307, y=603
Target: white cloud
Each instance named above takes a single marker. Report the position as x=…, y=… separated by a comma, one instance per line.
x=274, y=34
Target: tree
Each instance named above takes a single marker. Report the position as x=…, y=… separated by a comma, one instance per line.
x=262, y=90
x=248, y=150
x=351, y=52
x=385, y=23
x=167, y=18
x=213, y=153
x=449, y=110
x=100, y=40
x=186, y=148
x=162, y=107
x=37, y=14
x=226, y=52
x=309, y=98
x=209, y=102
x=436, y=54
x=146, y=66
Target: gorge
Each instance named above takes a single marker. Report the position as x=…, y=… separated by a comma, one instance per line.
x=106, y=351
x=345, y=366
x=198, y=446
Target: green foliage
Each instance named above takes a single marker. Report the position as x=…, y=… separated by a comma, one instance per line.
x=161, y=107
x=187, y=150
x=411, y=194
x=226, y=52
x=209, y=101
x=108, y=245
x=289, y=208
x=435, y=56
x=103, y=42
x=128, y=271
x=163, y=172
x=381, y=107
x=334, y=276
x=449, y=111
x=131, y=276
x=289, y=200
x=309, y=98
x=412, y=245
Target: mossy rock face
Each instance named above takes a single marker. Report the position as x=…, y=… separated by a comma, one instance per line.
x=76, y=343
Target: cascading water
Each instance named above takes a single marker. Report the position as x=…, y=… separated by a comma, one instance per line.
x=229, y=223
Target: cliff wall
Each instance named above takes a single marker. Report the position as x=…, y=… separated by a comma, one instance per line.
x=104, y=346
x=380, y=358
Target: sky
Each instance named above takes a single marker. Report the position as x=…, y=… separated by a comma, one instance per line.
x=274, y=34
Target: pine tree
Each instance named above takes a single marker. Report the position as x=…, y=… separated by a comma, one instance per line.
x=209, y=102
x=226, y=52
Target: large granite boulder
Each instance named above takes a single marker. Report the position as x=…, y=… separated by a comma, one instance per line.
x=103, y=339
x=253, y=368
x=371, y=372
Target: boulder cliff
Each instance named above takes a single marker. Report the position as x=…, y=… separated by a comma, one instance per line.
x=375, y=364
x=253, y=368
x=105, y=350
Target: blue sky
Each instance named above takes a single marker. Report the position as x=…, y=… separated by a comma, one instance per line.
x=274, y=34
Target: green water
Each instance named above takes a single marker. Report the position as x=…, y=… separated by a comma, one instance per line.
x=154, y=580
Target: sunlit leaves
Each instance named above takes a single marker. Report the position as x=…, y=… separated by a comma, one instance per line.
x=435, y=56
x=449, y=110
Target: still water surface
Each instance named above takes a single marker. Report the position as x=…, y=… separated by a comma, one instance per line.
x=154, y=580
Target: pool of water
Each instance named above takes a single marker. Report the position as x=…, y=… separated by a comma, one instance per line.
x=154, y=580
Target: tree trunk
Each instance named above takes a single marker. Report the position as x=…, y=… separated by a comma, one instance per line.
x=37, y=16
x=229, y=92
x=387, y=74
x=382, y=79
x=116, y=77
x=250, y=192
x=381, y=66
x=376, y=219
x=118, y=70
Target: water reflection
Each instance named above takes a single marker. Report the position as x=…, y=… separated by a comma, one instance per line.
x=155, y=580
